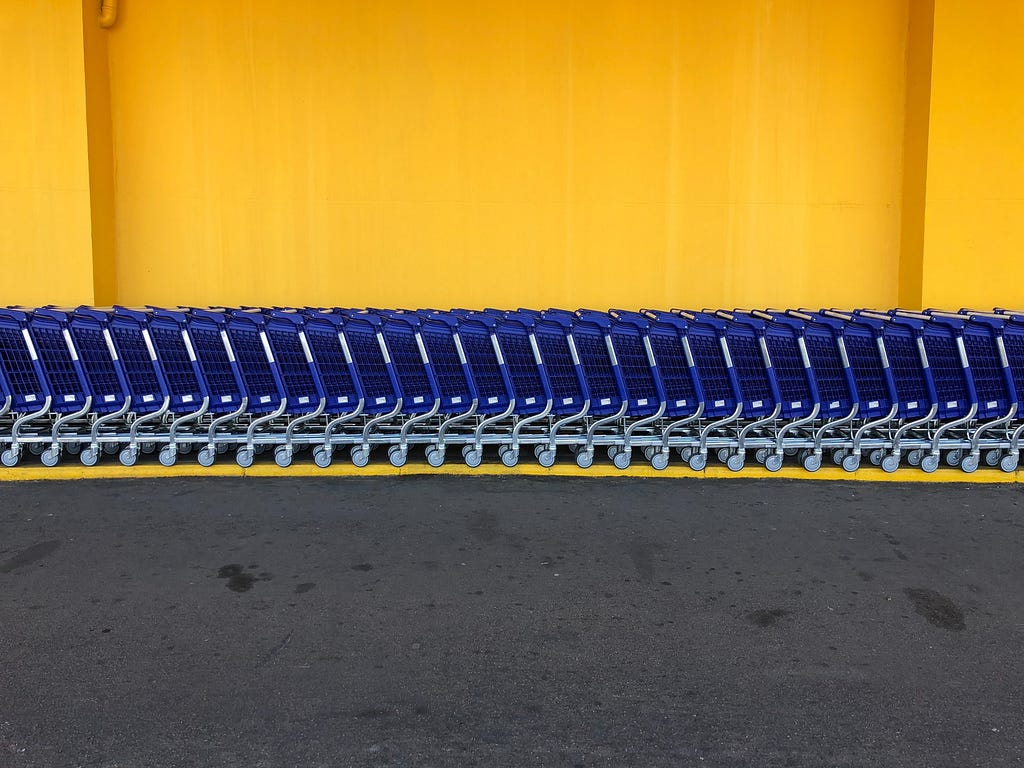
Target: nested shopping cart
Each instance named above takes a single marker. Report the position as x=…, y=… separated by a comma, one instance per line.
x=28, y=394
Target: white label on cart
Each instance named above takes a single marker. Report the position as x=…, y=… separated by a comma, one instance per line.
x=952, y=404
x=30, y=398
x=29, y=344
x=912, y=404
x=149, y=343
x=680, y=403
x=303, y=400
x=186, y=398
x=305, y=346
x=873, y=404
x=227, y=346
x=566, y=401
x=834, y=404
x=531, y=400
x=148, y=398
x=992, y=404
x=110, y=344
x=606, y=401
x=757, y=404
x=225, y=398
x=109, y=398
x=417, y=400
x=71, y=345
x=492, y=400
x=457, y=399
x=383, y=349
x=380, y=400
x=344, y=348
x=719, y=403
x=797, y=404
x=266, y=347
x=265, y=399
x=188, y=346
x=343, y=399
x=69, y=398
x=642, y=401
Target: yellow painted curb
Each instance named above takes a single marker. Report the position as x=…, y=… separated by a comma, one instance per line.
x=226, y=467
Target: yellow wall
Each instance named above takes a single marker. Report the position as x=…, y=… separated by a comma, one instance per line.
x=443, y=152
x=974, y=242
x=45, y=232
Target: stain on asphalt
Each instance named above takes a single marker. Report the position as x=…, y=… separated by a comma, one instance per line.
x=767, y=617
x=304, y=587
x=238, y=579
x=362, y=567
x=30, y=555
x=937, y=609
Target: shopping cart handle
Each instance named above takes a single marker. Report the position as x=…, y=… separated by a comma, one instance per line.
x=91, y=314
x=288, y=316
x=206, y=314
x=443, y=318
x=600, y=319
x=53, y=314
x=631, y=318
x=14, y=314
x=132, y=314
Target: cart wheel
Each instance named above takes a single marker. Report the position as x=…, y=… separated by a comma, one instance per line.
x=613, y=451
x=148, y=448
x=812, y=463
x=9, y=458
x=207, y=456
x=259, y=449
x=723, y=455
x=473, y=458
x=650, y=451
x=50, y=457
x=736, y=462
x=930, y=463
x=659, y=460
x=838, y=456
x=466, y=449
x=537, y=450
x=510, y=457
x=360, y=457
x=283, y=456
x=110, y=448
x=992, y=457
x=761, y=455
x=547, y=458
x=914, y=457
x=891, y=463
x=791, y=452
x=852, y=462
x=435, y=457
x=184, y=448
x=970, y=463
x=1008, y=463
x=73, y=448
x=397, y=455
x=685, y=453
x=168, y=456
x=953, y=457
x=89, y=457
x=622, y=459
x=129, y=456
x=36, y=448
x=585, y=458
x=244, y=457
x=876, y=456
x=698, y=461
x=322, y=457
x=773, y=463
x=222, y=448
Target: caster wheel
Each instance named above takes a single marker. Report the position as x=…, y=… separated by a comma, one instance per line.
x=282, y=456
x=930, y=463
x=510, y=457
x=129, y=456
x=222, y=448
x=890, y=464
x=110, y=448
x=736, y=462
x=466, y=449
x=650, y=451
x=537, y=449
x=50, y=457
x=622, y=459
x=697, y=462
x=812, y=463
x=167, y=456
x=207, y=456
x=659, y=460
x=397, y=456
x=9, y=458
x=244, y=457
x=852, y=462
x=970, y=463
x=435, y=457
x=802, y=455
x=773, y=463
x=547, y=458
x=876, y=456
x=360, y=457
x=36, y=448
x=184, y=448
x=73, y=448
x=585, y=458
x=914, y=457
x=148, y=448
x=613, y=451
x=723, y=455
x=473, y=458
x=322, y=457
x=792, y=452
x=259, y=450
x=761, y=455
x=992, y=457
x=89, y=457
x=685, y=453
x=953, y=457
x=1007, y=463
x=838, y=456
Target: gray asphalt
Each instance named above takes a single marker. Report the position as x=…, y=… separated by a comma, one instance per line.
x=510, y=622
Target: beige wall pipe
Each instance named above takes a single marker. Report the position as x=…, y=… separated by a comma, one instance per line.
x=108, y=13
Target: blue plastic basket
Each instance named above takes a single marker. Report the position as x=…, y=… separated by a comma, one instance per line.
x=873, y=380
x=415, y=377
x=217, y=360
x=285, y=331
x=23, y=375
x=333, y=360
x=490, y=377
x=679, y=379
x=452, y=375
x=134, y=343
x=591, y=334
x=529, y=386
x=176, y=354
x=373, y=367
x=756, y=378
x=59, y=358
x=100, y=360
x=247, y=333
x=561, y=364
x=716, y=375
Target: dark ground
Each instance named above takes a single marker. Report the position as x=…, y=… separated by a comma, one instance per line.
x=510, y=622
